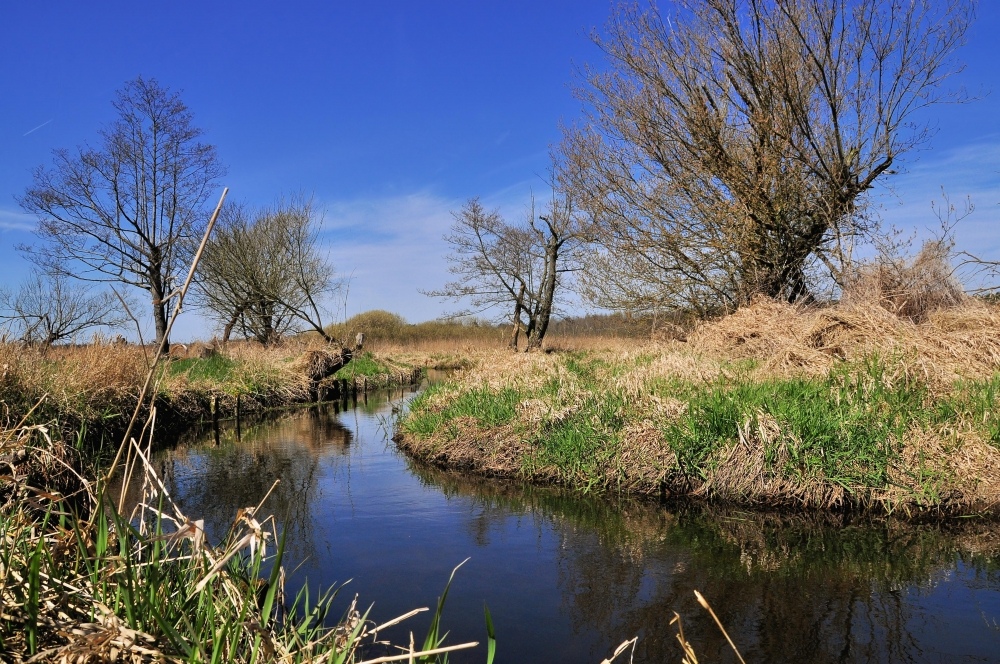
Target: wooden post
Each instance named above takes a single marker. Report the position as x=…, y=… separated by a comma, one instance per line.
x=215, y=418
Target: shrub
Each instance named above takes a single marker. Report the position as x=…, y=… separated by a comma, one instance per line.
x=909, y=288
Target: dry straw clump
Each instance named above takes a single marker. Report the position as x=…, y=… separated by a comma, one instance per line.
x=944, y=469
x=741, y=472
x=908, y=288
x=913, y=311
x=788, y=340
x=673, y=361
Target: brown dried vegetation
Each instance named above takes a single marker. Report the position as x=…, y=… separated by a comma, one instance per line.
x=941, y=462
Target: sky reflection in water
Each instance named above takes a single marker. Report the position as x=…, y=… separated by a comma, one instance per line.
x=567, y=578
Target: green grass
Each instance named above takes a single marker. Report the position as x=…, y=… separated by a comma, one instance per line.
x=215, y=368
x=365, y=364
x=845, y=428
x=488, y=408
x=581, y=444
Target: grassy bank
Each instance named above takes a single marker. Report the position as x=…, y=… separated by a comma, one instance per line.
x=817, y=408
x=89, y=392
x=83, y=581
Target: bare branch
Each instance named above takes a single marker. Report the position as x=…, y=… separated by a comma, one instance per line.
x=726, y=149
x=508, y=266
x=48, y=308
x=264, y=275
x=127, y=210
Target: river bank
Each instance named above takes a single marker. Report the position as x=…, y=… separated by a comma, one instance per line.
x=822, y=408
x=89, y=392
x=82, y=579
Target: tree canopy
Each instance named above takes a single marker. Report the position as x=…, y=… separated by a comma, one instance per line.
x=730, y=144
x=127, y=209
x=263, y=274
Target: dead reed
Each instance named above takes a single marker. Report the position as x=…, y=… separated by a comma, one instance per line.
x=81, y=582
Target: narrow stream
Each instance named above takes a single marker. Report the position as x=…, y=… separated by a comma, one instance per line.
x=568, y=578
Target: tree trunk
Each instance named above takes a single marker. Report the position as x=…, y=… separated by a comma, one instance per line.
x=227, y=331
x=157, y=291
x=518, y=306
x=546, y=293
x=160, y=317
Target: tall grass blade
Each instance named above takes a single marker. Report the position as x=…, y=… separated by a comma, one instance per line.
x=704, y=603
x=434, y=639
x=491, y=636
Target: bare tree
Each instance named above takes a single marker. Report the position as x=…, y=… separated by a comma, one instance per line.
x=732, y=143
x=500, y=265
x=48, y=308
x=125, y=209
x=263, y=274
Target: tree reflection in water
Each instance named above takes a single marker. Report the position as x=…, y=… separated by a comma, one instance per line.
x=816, y=588
x=568, y=578
x=214, y=481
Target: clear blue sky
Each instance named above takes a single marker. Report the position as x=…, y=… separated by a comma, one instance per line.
x=392, y=114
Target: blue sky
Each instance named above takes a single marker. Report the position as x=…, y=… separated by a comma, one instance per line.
x=391, y=114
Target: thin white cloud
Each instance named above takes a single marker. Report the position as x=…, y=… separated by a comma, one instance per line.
x=31, y=131
x=16, y=221
x=392, y=248
x=965, y=173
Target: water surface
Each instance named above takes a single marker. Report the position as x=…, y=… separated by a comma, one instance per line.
x=568, y=578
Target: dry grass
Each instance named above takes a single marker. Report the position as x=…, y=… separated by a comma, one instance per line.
x=80, y=581
x=785, y=340
x=910, y=288
x=96, y=386
x=945, y=467
x=939, y=462
x=84, y=380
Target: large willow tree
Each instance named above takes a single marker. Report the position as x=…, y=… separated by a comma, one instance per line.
x=730, y=144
